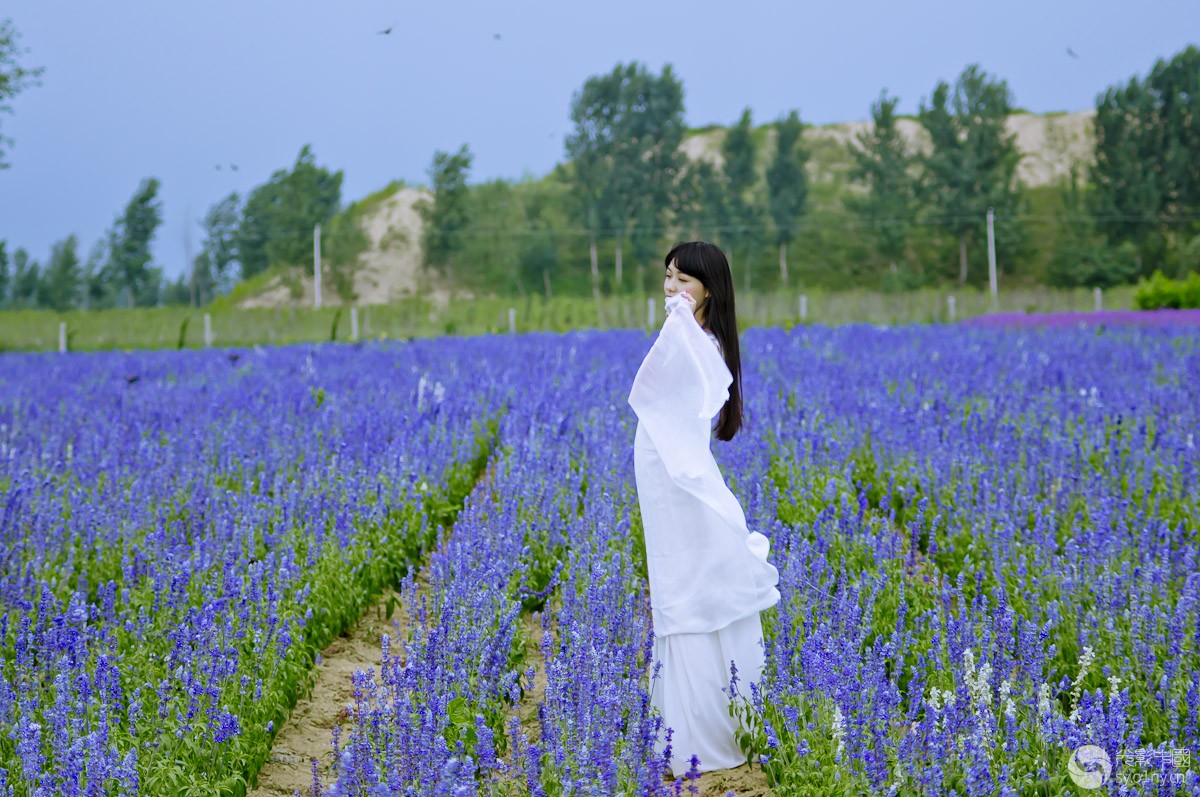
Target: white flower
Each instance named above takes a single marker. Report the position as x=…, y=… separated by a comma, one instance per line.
x=978, y=686
x=1044, y=699
x=1010, y=708
x=1085, y=661
x=839, y=729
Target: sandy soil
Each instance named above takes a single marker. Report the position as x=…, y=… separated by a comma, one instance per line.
x=390, y=270
x=1050, y=144
x=308, y=732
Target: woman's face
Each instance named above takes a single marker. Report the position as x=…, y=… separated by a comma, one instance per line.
x=676, y=282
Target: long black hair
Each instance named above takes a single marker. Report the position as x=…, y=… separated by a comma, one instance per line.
x=707, y=263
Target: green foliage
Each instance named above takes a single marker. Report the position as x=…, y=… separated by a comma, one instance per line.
x=884, y=166
x=625, y=156
x=1147, y=160
x=787, y=180
x=337, y=316
x=342, y=250
x=447, y=215
x=128, y=267
x=973, y=163
x=741, y=227
x=5, y=277
x=1082, y=258
x=25, y=280
x=183, y=326
x=276, y=228
x=219, y=248
x=590, y=150
x=60, y=284
x=701, y=201
x=1160, y=292
x=14, y=78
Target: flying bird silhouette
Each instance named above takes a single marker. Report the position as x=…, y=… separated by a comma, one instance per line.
x=496, y=36
x=233, y=167
x=1071, y=53
x=386, y=31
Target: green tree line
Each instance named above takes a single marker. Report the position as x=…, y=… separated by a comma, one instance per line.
x=901, y=217
x=898, y=217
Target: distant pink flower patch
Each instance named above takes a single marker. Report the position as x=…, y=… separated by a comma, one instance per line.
x=1147, y=318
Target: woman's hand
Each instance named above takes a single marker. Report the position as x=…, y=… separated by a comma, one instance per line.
x=687, y=297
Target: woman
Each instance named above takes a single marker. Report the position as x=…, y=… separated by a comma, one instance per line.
x=709, y=576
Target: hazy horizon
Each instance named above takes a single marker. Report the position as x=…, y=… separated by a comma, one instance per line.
x=147, y=89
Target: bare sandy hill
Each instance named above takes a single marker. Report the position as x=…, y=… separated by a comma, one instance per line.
x=1049, y=144
x=391, y=270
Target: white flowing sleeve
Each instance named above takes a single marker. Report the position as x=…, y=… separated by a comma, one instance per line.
x=683, y=380
x=706, y=568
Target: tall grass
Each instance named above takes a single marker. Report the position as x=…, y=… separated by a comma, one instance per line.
x=164, y=327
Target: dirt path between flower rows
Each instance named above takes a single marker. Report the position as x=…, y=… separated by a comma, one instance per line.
x=308, y=732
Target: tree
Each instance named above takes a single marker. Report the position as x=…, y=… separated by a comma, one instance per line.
x=446, y=215
x=219, y=247
x=59, y=289
x=26, y=276
x=129, y=256
x=5, y=277
x=590, y=148
x=538, y=256
x=99, y=283
x=14, y=78
x=787, y=184
x=743, y=218
x=883, y=165
x=1082, y=259
x=342, y=251
x=973, y=162
x=1146, y=170
x=277, y=222
x=178, y=291
x=649, y=128
x=701, y=204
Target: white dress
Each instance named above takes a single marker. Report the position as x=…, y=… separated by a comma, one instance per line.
x=709, y=576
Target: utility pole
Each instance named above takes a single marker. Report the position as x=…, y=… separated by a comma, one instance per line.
x=991, y=232
x=189, y=263
x=317, y=266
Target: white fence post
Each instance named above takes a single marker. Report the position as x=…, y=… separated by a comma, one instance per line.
x=207, y=330
x=650, y=314
x=512, y=319
x=353, y=323
x=1099, y=298
x=62, y=337
x=804, y=307
x=950, y=306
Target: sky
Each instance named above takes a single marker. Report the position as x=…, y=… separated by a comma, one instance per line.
x=173, y=89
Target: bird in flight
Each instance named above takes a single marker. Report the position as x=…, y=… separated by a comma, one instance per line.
x=386, y=31
x=233, y=167
x=1071, y=53
x=496, y=36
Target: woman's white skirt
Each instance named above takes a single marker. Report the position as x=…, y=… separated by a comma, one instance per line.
x=692, y=692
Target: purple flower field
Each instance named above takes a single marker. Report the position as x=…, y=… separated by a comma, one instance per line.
x=1146, y=318
x=987, y=544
